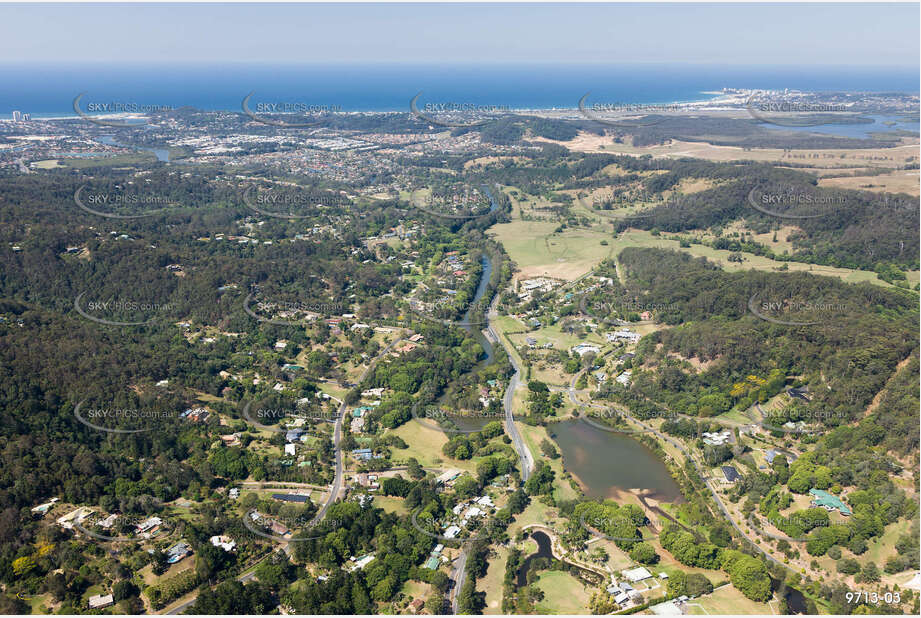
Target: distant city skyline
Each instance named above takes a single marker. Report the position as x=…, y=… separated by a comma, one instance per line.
x=733, y=34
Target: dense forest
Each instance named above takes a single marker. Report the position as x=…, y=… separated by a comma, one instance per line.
x=846, y=353
x=204, y=263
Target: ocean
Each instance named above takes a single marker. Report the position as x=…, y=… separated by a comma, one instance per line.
x=46, y=91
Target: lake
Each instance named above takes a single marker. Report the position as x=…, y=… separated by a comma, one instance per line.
x=543, y=551
x=879, y=124
x=604, y=462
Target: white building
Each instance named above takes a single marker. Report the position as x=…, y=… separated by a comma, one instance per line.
x=636, y=575
x=149, y=524
x=584, y=348
x=224, y=542
x=624, y=334
x=715, y=438
x=485, y=501
x=101, y=600
x=108, y=522
x=74, y=517
x=362, y=562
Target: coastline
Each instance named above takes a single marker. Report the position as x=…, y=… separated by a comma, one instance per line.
x=709, y=98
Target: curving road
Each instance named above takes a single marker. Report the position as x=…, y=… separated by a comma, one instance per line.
x=459, y=572
x=246, y=576
x=458, y=575
x=337, y=440
x=249, y=574
x=524, y=454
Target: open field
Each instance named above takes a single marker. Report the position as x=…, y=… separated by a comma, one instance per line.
x=425, y=445
x=693, y=185
x=506, y=324
x=391, y=504
x=827, y=158
x=669, y=565
x=332, y=389
x=136, y=158
x=47, y=164
x=553, y=333
x=726, y=600
x=547, y=373
x=563, y=594
x=535, y=513
x=884, y=548
x=416, y=589
x=39, y=601
x=538, y=251
x=641, y=238
x=150, y=579
x=491, y=584
x=899, y=181
x=417, y=198
x=485, y=162
x=618, y=559
x=525, y=205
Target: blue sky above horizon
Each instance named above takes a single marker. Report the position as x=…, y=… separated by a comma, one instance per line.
x=863, y=35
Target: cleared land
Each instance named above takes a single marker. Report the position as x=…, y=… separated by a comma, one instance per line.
x=901, y=181
x=906, y=152
x=727, y=600
x=47, y=164
x=563, y=594
x=391, y=504
x=424, y=444
x=539, y=251
x=491, y=584
x=641, y=238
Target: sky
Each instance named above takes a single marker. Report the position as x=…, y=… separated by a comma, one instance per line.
x=743, y=34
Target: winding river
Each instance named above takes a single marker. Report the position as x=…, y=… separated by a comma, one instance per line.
x=475, y=318
x=161, y=153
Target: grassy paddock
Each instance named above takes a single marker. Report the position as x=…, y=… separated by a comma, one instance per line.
x=563, y=594
x=491, y=584
x=727, y=600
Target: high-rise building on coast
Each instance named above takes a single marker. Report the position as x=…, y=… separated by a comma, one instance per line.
x=17, y=116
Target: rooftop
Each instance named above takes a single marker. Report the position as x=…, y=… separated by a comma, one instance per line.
x=828, y=501
x=731, y=474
